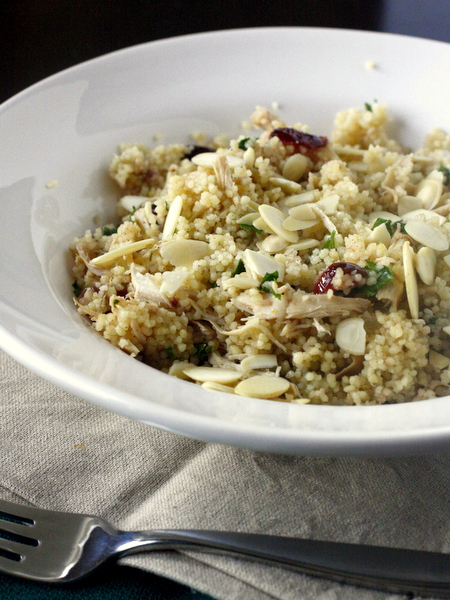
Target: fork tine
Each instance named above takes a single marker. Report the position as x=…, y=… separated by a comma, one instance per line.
x=23, y=531
x=20, y=511
x=14, y=547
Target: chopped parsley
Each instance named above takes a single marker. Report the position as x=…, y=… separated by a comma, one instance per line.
x=386, y=222
x=77, y=289
x=269, y=289
x=384, y=276
x=246, y=143
x=368, y=106
x=169, y=352
x=330, y=243
x=247, y=227
x=446, y=172
x=239, y=268
x=202, y=351
x=109, y=230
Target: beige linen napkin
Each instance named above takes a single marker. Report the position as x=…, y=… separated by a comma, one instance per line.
x=63, y=453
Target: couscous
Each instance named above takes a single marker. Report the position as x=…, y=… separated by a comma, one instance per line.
x=282, y=264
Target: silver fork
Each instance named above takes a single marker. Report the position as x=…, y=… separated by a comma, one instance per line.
x=45, y=545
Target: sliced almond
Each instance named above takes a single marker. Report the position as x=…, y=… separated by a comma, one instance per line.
x=109, y=258
x=177, y=369
x=260, y=223
x=297, y=199
x=329, y=204
x=438, y=361
x=380, y=235
x=351, y=336
x=242, y=282
x=295, y=167
x=274, y=218
x=259, y=361
x=408, y=204
x=412, y=292
x=131, y=203
x=273, y=244
x=249, y=158
x=426, y=265
x=260, y=264
x=209, y=159
x=182, y=253
x=382, y=214
x=289, y=187
x=218, y=387
x=425, y=215
x=293, y=224
x=328, y=223
x=172, y=281
x=303, y=212
x=446, y=329
x=305, y=244
x=429, y=191
x=248, y=219
x=172, y=217
x=213, y=374
x=427, y=234
x=262, y=386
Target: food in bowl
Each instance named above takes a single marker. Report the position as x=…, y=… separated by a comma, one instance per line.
x=282, y=264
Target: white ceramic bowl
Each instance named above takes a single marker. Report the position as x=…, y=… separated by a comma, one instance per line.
x=66, y=129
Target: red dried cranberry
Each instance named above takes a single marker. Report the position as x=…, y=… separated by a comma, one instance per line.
x=323, y=282
x=292, y=137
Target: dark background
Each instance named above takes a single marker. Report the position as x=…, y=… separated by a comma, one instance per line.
x=41, y=37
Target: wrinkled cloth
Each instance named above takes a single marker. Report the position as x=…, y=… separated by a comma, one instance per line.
x=62, y=453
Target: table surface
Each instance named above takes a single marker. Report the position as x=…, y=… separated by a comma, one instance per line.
x=41, y=38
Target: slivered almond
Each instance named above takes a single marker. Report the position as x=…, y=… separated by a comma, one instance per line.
x=182, y=253
x=172, y=217
x=274, y=218
x=412, y=292
x=213, y=374
x=329, y=204
x=426, y=265
x=172, y=281
x=293, y=224
x=248, y=219
x=380, y=235
x=438, y=361
x=249, y=158
x=262, y=386
x=109, y=258
x=304, y=212
x=241, y=282
x=408, y=204
x=297, y=199
x=304, y=244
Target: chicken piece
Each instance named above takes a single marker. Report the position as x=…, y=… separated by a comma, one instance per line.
x=304, y=305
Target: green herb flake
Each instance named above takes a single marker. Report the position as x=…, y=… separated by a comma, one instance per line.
x=109, y=230
x=386, y=222
x=384, y=276
x=269, y=277
x=432, y=320
x=213, y=284
x=116, y=301
x=246, y=143
x=446, y=172
x=368, y=106
x=77, y=289
x=169, y=352
x=330, y=243
x=239, y=268
x=201, y=352
x=252, y=228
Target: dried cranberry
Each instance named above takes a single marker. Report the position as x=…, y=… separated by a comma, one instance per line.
x=324, y=281
x=292, y=137
x=194, y=150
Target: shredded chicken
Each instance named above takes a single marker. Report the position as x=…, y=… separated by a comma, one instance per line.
x=146, y=288
x=262, y=305
x=321, y=305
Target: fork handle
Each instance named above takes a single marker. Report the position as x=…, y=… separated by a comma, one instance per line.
x=390, y=569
